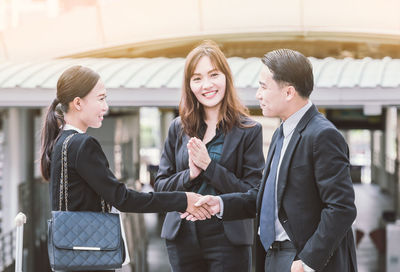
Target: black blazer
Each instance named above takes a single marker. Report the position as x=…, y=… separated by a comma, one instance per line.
x=89, y=179
x=315, y=196
x=239, y=170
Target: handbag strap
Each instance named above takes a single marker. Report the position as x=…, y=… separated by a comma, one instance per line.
x=64, y=178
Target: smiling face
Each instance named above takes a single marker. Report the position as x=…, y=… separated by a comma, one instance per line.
x=94, y=107
x=208, y=84
x=271, y=95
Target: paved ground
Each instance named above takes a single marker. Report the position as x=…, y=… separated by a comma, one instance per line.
x=370, y=202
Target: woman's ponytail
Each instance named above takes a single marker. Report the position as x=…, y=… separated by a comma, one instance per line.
x=52, y=126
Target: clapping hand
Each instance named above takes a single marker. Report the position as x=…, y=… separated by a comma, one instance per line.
x=198, y=153
x=194, y=170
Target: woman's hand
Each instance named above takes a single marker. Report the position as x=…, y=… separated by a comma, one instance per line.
x=194, y=170
x=198, y=153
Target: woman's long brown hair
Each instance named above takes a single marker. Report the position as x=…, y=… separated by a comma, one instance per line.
x=232, y=112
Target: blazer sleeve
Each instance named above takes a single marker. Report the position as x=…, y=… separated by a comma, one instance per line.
x=252, y=166
x=92, y=165
x=168, y=179
x=240, y=205
x=331, y=170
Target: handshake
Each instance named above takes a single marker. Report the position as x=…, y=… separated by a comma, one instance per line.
x=201, y=207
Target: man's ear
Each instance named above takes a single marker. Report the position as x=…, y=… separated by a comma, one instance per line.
x=290, y=92
x=77, y=103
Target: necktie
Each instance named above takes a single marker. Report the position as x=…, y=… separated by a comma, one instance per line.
x=267, y=215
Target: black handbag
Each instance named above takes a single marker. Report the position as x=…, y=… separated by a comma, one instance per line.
x=83, y=240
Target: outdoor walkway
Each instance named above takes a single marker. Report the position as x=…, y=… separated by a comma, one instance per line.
x=370, y=202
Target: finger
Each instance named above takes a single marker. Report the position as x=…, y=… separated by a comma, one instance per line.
x=198, y=143
x=205, y=212
x=189, y=146
x=199, y=213
x=209, y=209
x=184, y=215
x=194, y=148
x=189, y=217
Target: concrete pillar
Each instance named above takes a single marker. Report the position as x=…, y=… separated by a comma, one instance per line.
x=18, y=168
x=378, y=159
x=2, y=116
x=397, y=172
x=390, y=148
x=371, y=146
x=18, y=165
x=166, y=118
x=127, y=140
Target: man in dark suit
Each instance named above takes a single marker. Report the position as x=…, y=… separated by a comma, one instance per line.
x=305, y=202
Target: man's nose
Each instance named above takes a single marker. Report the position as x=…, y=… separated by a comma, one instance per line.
x=258, y=94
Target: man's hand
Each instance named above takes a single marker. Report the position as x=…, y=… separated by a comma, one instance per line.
x=211, y=201
x=196, y=212
x=297, y=266
x=199, y=153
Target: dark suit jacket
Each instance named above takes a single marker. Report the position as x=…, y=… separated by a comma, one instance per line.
x=315, y=196
x=89, y=179
x=239, y=170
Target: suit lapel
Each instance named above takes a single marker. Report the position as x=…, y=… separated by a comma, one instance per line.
x=284, y=168
x=183, y=155
x=232, y=139
x=294, y=141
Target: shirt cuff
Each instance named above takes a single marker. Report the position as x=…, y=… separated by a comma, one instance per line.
x=306, y=268
x=221, y=208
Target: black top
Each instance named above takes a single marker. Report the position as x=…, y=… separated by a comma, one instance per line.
x=89, y=179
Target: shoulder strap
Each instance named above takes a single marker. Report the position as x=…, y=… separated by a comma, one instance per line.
x=64, y=178
x=64, y=173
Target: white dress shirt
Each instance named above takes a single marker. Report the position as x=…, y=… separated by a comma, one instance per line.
x=71, y=127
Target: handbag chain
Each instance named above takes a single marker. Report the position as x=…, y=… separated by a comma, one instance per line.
x=64, y=178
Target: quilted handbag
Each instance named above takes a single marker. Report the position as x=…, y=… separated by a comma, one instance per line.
x=83, y=240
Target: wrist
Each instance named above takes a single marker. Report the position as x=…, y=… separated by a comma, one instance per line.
x=192, y=175
x=206, y=164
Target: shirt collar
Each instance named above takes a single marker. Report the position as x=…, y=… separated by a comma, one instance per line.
x=290, y=124
x=71, y=127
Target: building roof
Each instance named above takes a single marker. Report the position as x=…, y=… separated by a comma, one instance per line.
x=157, y=81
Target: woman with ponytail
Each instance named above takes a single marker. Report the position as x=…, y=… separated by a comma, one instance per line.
x=81, y=103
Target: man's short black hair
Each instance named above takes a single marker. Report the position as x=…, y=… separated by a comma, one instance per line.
x=292, y=67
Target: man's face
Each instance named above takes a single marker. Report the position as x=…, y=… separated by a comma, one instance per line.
x=270, y=95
